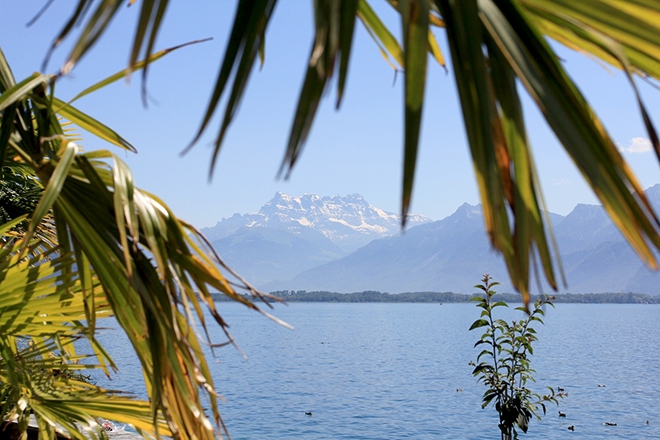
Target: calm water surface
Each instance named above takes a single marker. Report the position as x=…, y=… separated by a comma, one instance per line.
x=385, y=371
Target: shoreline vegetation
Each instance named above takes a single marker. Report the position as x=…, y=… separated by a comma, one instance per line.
x=291, y=296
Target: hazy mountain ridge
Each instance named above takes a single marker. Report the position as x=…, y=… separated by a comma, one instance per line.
x=604, y=261
x=452, y=254
x=262, y=255
x=443, y=253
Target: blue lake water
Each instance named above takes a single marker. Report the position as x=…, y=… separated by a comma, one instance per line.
x=384, y=371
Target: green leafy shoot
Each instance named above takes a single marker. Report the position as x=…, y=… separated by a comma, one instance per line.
x=503, y=364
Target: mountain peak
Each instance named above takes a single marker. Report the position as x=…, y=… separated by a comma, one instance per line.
x=355, y=197
x=469, y=211
x=586, y=212
x=349, y=222
x=280, y=197
x=653, y=193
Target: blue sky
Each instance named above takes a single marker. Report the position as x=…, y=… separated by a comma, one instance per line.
x=357, y=149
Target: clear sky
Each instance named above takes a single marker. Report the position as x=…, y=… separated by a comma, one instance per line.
x=357, y=149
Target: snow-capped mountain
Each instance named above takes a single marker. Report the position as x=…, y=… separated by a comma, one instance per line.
x=452, y=253
x=296, y=243
x=349, y=222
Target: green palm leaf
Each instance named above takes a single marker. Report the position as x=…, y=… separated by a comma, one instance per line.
x=133, y=258
x=43, y=313
x=415, y=23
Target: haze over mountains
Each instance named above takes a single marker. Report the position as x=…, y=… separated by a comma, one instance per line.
x=344, y=244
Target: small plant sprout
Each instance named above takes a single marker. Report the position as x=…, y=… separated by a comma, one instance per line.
x=503, y=365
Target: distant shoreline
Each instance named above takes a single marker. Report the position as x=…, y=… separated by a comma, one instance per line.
x=449, y=297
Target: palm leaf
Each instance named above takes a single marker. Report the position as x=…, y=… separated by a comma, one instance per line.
x=133, y=258
x=244, y=43
x=43, y=311
x=415, y=23
x=632, y=23
x=574, y=122
x=635, y=51
x=135, y=66
x=386, y=42
x=463, y=24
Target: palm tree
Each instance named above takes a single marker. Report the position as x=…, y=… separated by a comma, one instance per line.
x=81, y=243
x=135, y=259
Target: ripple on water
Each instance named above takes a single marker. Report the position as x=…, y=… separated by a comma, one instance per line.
x=381, y=371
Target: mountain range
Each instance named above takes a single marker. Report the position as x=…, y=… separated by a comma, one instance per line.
x=291, y=234
x=344, y=244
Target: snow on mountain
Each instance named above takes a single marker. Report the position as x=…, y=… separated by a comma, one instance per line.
x=349, y=222
x=450, y=254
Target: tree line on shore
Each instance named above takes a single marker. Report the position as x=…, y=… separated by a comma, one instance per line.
x=371, y=296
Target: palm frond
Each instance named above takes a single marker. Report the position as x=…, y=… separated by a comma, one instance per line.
x=125, y=253
x=42, y=314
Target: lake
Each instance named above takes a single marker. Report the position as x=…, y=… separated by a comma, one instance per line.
x=384, y=371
